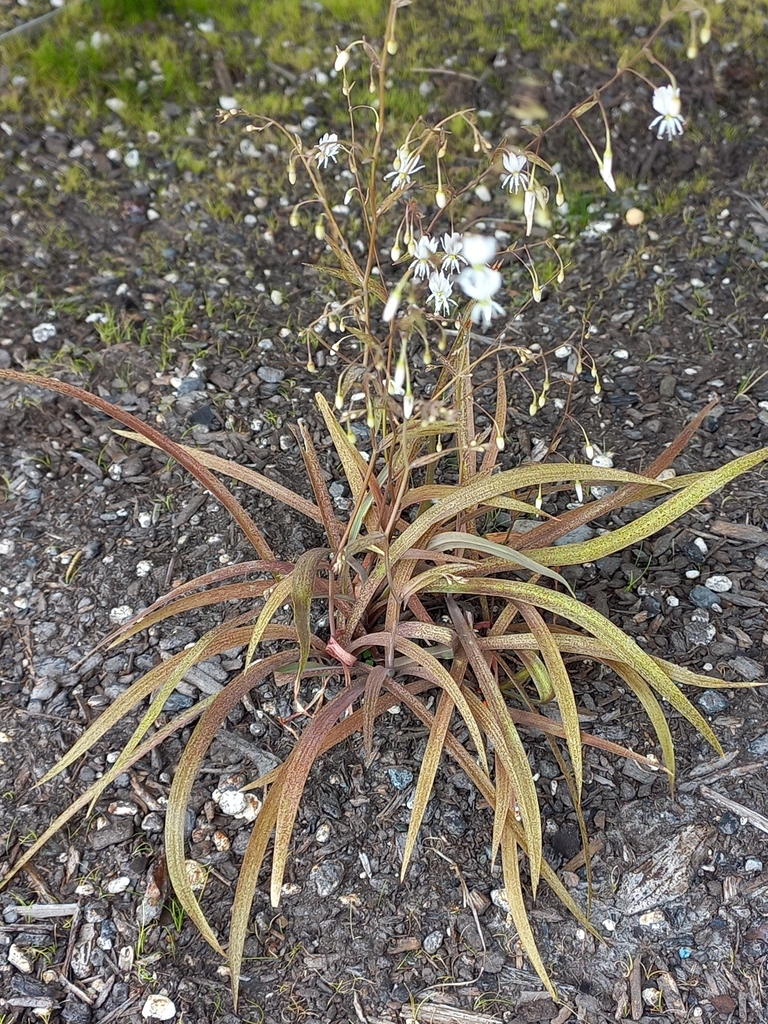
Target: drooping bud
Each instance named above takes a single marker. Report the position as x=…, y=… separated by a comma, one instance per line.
x=392, y=47
x=392, y=305
x=342, y=59
x=320, y=230
x=579, y=490
x=705, y=33
x=536, y=291
x=395, y=253
x=293, y=220
x=560, y=276
x=292, y=172
x=533, y=408
x=441, y=199
x=500, y=442
x=348, y=196
x=311, y=366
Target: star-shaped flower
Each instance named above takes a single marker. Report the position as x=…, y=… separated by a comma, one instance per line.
x=666, y=103
x=328, y=149
x=453, y=258
x=405, y=164
x=441, y=289
x=517, y=178
x=426, y=248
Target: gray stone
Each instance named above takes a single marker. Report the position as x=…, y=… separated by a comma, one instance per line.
x=44, y=689
x=270, y=374
x=327, y=877
x=712, y=702
x=699, y=633
x=432, y=942
x=667, y=387
x=759, y=745
x=703, y=597
x=400, y=778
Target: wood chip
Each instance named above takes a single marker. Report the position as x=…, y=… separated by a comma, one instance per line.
x=595, y=846
x=673, y=1002
x=636, y=989
x=753, y=817
x=739, y=531
x=434, y=1013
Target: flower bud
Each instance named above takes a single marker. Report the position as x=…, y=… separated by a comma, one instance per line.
x=293, y=220
x=348, y=196
x=442, y=151
x=705, y=33
x=693, y=50
x=395, y=253
x=536, y=293
x=441, y=199
x=342, y=59
x=338, y=400
x=500, y=442
x=408, y=405
x=392, y=47
x=292, y=172
x=391, y=307
x=332, y=326
x=311, y=366
x=320, y=231
x=589, y=451
x=559, y=198
x=579, y=490
x=533, y=408
x=560, y=276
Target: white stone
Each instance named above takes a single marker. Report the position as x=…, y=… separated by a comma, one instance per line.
x=602, y=461
x=621, y=353
x=152, y=214
x=120, y=615
x=701, y=544
x=228, y=103
x=673, y=601
x=43, y=333
x=563, y=352
x=276, y=296
x=18, y=958
x=158, y=1008
x=719, y=584
x=118, y=885
x=144, y=567
x=115, y=104
x=499, y=899
x=132, y=158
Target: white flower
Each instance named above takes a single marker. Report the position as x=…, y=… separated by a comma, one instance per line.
x=391, y=307
x=328, y=148
x=529, y=207
x=426, y=248
x=453, y=260
x=606, y=171
x=666, y=103
x=517, y=177
x=441, y=289
x=478, y=250
x=479, y=283
x=485, y=310
x=405, y=164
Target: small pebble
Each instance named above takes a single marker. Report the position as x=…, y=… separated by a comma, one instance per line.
x=634, y=217
x=400, y=778
x=720, y=584
x=499, y=899
x=43, y=333
x=132, y=158
x=18, y=958
x=684, y=952
x=227, y=102
x=432, y=942
x=759, y=745
x=753, y=864
x=729, y=824
x=673, y=601
x=712, y=702
x=327, y=877
x=704, y=597
x=276, y=297
x=115, y=104
x=120, y=615
x=158, y=1007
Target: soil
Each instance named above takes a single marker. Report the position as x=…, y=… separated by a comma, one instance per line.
x=673, y=314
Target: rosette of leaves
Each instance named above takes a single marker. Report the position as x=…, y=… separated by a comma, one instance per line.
x=423, y=602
